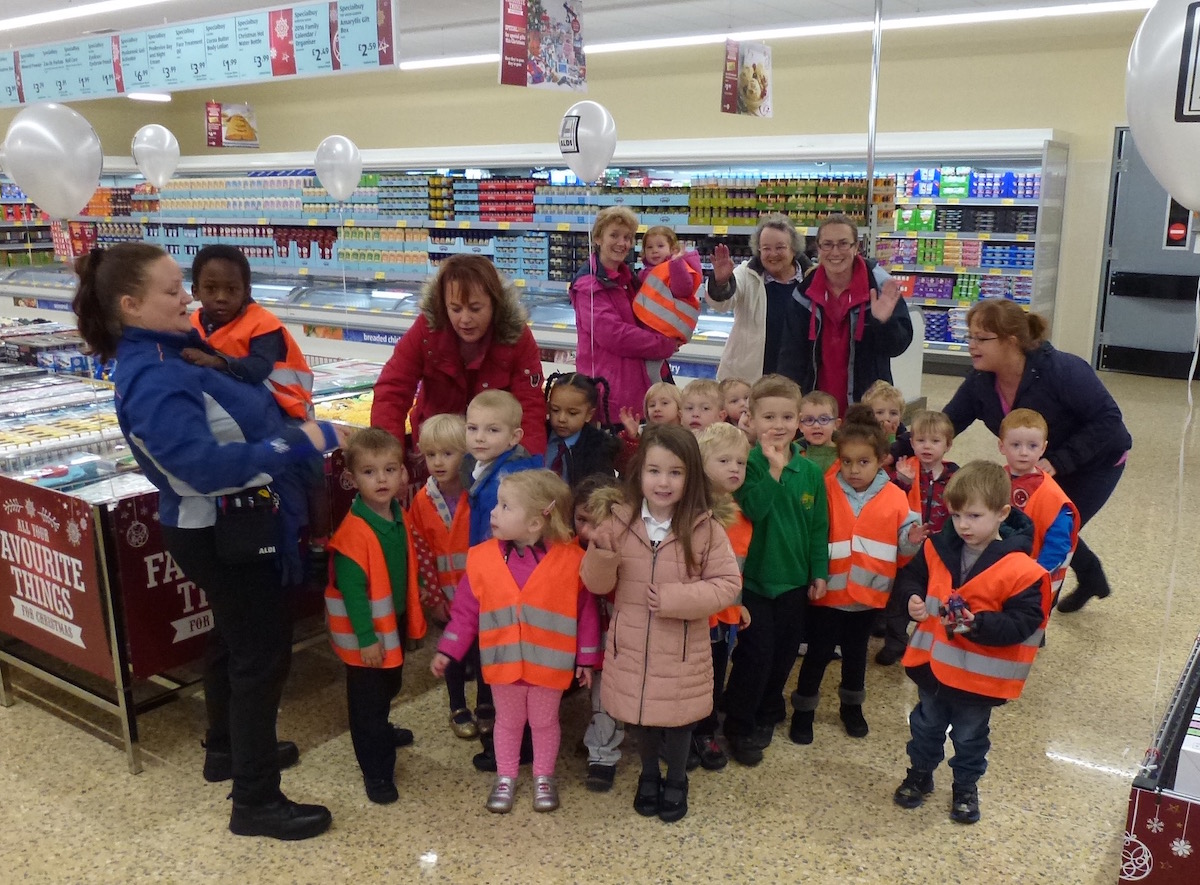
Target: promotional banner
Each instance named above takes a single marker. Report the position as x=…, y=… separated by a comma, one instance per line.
x=746, y=79
x=50, y=595
x=167, y=617
x=304, y=40
x=230, y=125
x=541, y=44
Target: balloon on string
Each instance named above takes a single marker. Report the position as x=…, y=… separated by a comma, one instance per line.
x=155, y=150
x=339, y=166
x=1162, y=100
x=54, y=156
x=587, y=138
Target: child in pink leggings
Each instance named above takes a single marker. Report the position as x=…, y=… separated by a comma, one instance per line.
x=537, y=626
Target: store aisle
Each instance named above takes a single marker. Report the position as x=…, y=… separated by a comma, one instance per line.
x=1053, y=801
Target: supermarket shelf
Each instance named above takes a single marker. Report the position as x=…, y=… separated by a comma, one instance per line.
x=336, y=273
x=945, y=347
x=967, y=201
x=959, y=269
x=5, y=225
x=948, y=302
x=25, y=247
x=956, y=235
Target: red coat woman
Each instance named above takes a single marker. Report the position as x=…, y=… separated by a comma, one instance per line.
x=471, y=336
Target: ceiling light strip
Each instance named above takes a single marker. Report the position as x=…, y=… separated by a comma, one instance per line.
x=104, y=7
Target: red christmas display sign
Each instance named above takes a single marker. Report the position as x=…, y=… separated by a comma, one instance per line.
x=1161, y=843
x=50, y=594
x=167, y=617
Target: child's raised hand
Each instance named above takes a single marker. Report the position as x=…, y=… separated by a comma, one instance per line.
x=777, y=455
x=439, y=664
x=652, y=597
x=817, y=589
x=602, y=537
x=584, y=675
x=917, y=532
x=1046, y=467
x=743, y=617
x=372, y=655
x=906, y=469
x=629, y=420
x=916, y=608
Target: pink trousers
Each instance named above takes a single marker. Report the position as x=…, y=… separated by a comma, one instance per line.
x=516, y=705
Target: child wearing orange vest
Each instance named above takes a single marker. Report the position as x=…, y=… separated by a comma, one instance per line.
x=373, y=605
x=440, y=516
x=537, y=626
x=981, y=605
x=923, y=476
x=1023, y=437
x=252, y=345
x=871, y=532
x=668, y=300
x=724, y=449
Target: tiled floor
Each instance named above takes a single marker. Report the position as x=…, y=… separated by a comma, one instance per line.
x=1053, y=801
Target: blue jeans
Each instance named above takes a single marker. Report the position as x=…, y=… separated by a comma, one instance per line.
x=968, y=724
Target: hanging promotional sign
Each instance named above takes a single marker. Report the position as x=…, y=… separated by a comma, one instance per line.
x=746, y=79
x=50, y=594
x=230, y=125
x=303, y=40
x=541, y=44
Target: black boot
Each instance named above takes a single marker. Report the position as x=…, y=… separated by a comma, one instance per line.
x=801, y=731
x=852, y=719
x=1093, y=584
x=218, y=764
x=282, y=819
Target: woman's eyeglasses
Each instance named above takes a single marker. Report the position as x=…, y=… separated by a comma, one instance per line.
x=823, y=420
x=839, y=245
x=980, y=339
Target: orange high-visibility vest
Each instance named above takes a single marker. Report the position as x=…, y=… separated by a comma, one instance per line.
x=448, y=546
x=863, y=550
x=355, y=539
x=739, y=538
x=527, y=633
x=1043, y=507
x=914, y=491
x=291, y=379
x=658, y=309
x=988, y=670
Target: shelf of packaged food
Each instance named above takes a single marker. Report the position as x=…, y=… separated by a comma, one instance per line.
x=946, y=347
x=336, y=273
x=960, y=269
x=967, y=201
x=946, y=303
x=25, y=247
x=5, y=225
x=420, y=223
x=956, y=235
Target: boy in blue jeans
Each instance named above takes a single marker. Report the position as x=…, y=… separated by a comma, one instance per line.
x=981, y=604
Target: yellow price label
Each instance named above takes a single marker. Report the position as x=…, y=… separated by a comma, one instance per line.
x=929, y=268
x=304, y=271
x=558, y=325
x=464, y=225
x=951, y=235
x=108, y=218
x=642, y=228
x=951, y=200
x=145, y=219
x=518, y=282
x=985, y=236
x=349, y=222
x=1007, y=201
x=503, y=225
x=262, y=221
x=911, y=234
x=562, y=225
x=1022, y=238
x=932, y=302
x=994, y=271
x=312, y=222
x=191, y=221
x=925, y=201
x=954, y=347
x=401, y=223
x=439, y=223
x=719, y=229
x=1026, y=273
x=379, y=275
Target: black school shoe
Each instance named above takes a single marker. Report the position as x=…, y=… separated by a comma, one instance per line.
x=913, y=789
x=744, y=750
x=1078, y=598
x=381, y=791
x=218, y=764
x=401, y=737
x=648, y=798
x=964, y=808
x=887, y=655
x=673, y=805
x=709, y=752
x=600, y=777
x=486, y=760
x=282, y=819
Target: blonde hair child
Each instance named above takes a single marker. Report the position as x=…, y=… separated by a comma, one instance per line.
x=530, y=568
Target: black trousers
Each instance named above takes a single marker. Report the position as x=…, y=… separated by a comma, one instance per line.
x=763, y=660
x=369, y=695
x=456, y=681
x=827, y=629
x=249, y=653
x=720, y=657
x=1088, y=492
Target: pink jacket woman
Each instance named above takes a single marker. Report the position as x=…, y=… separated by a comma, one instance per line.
x=658, y=665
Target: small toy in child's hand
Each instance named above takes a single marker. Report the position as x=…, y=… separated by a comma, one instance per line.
x=955, y=615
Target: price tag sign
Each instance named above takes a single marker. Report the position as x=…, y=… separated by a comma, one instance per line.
x=720, y=229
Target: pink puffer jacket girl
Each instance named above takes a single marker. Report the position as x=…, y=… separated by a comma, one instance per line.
x=658, y=665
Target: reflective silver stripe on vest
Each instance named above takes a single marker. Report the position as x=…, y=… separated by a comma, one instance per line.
x=451, y=562
x=839, y=550
x=921, y=640
x=933, y=605
x=349, y=641
x=838, y=581
x=547, y=620
x=497, y=618
x=867, y=578
x=285, y=377
x=336, y=606
x=876, y=549
x=516, y=652
x=972, y=662
x=588, y=650
x=659, y=311
x=741, y=563
x=1035, y=641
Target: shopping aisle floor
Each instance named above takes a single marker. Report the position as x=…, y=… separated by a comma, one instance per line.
x=1053, y=801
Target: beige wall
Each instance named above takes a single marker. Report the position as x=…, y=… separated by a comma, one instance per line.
x=1067, y=75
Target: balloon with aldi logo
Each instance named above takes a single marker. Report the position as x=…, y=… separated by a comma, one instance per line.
x=54, y=156
x=587, y=138
x=1162, y=97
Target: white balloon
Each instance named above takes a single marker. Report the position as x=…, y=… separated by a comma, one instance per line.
x=54, y=155
x=1162, y=101
x=339, y=166
x=587, y=138
x=155, y=150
